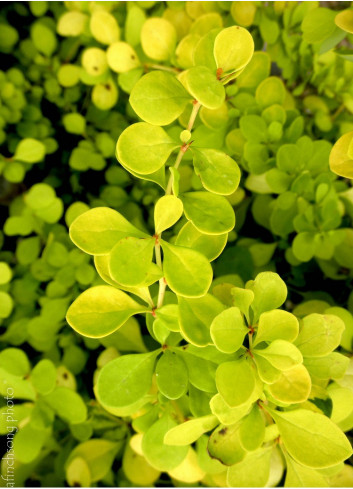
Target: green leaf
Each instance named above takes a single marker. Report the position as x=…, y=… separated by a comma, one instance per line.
x=304, y=246
x=43, y=376
x=158, y=38
x=270, y=91
x=98, y=454
x=144, y=148
x=267, y=372
x=98, y=230
x=15, y=361
x=226, y=414
x=137, y=469
x=224, y=445
x=67, y=404
x=228, y=330
x=159, y=98
x=341, y=162
x=121, y=57
x=30, y=151
x=305, y=434
x=293, y=386
x=331, y=366
x=209, y=213
x=78, y=473
x=240, y=392
x=104, y=27
x=210, y=245
x=204, y=87
x=28, y=443
x=168, y=210
x=190, y=431
x=233, y=49
x=318, y=24
x=277, y=325
x=125, y=380
x=218, y=172
x=252, y=430
x=158, y=454
x=188, y=273
x=21, y=388
x=201, y=371
x=299, y=476
x=130, y=260
x=252, y=471
x=270, y=293
x=242, y=298
x=172, y=375
x=101, y=310
x=319, y=334
x=281, y=354
x=344, y=20
x=195, y=317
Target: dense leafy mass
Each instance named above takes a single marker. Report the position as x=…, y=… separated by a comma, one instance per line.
x=176, y=259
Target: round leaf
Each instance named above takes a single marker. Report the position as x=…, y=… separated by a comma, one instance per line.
x=228, y=330
x=159, y=98
x=172, y=375
x=235, y=393
x=144, y=148
x=204, y=87
x=168, y=210
x=101, y=310
x=233, y=49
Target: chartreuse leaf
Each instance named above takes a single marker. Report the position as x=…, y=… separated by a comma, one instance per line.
x=319, y=334
x=98, y=454
x=126, y=379
x=242, y=298
x=102, y=266
x=252, y=471
x=331, y=366
x=300, y=476
x=28, y=443
x=201, y=371
x=144, y=148
x=294, y=385
x=172, y=375
x=15, y=361
x=270, y=91
x=167, y=211
x=228, y=330
x=130, y=260
x=281, y=354
x=43, y=376
x=235, y=393
x=206, y=463
x=276, y=324
x=98, y=230
x=159, y=454
x=137, y=469
x=67, y=404
x=195, y=317
x=190, y=431
x=226, y=414
x=312, y=439
x=209, y=213
x=158, y=38
x=78, y=473
x=159, y=98
x=267, y=372
x=22, y=388
x=341, y=158
x=233, y=49
x=344, y=20
x=218, y=172
x=189, y=470
x=168, y=315
x=204, y=87
x=101, y=310
x=30, y=151
x=121, y=57
x=224, y=445
x=347, y=318
x=270, y=292
x=252, y=430
x=188, y=273
x=104, y=27
x=210, y=245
